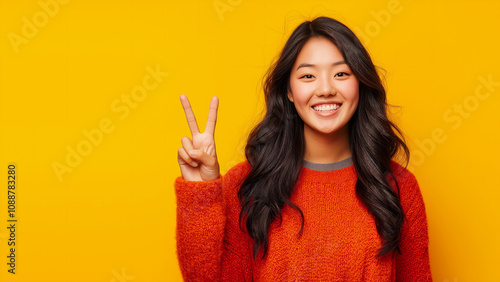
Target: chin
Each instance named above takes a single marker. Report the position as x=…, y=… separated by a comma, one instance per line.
x=328, y=131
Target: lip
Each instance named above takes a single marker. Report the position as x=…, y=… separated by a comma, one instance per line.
x=326, y=103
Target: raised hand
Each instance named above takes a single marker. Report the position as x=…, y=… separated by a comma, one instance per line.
x=197, y=158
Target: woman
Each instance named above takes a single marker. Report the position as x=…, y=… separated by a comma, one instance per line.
x=319, y=196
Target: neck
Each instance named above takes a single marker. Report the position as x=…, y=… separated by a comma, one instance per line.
x=326, y=148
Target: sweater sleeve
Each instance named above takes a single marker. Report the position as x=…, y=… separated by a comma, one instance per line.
x=210, y=245
x=413, y=262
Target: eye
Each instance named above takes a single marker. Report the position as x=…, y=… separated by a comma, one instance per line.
x=341, y=74
x=308, y=76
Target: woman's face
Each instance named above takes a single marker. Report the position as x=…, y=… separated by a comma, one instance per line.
x=323, y=88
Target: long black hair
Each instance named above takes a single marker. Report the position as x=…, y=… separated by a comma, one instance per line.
x=276, y=146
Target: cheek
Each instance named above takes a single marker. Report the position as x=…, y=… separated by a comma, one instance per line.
x=301, y=92
x=350, y=91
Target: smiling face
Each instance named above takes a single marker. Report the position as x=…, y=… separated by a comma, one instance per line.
x=324, y=90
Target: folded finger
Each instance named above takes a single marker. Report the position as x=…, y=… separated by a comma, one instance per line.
x=205, y=159
x=187, y=144
x=182, y=155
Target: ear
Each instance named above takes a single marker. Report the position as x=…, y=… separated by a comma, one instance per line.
x=290, y=96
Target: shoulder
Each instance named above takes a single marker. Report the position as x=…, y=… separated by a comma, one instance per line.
x=239, y=170
x=237, y=173
x=407, y=186
x=235, y=176
x=402, y=174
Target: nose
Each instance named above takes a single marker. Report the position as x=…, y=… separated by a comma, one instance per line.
x=325, y=87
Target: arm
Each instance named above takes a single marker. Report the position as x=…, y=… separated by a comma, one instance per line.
x=200, y=228
x=210, y=245
x=413, y=262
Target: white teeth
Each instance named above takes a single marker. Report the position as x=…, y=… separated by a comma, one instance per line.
x=327, y=107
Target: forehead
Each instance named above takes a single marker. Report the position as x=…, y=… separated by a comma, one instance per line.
x=319, y=51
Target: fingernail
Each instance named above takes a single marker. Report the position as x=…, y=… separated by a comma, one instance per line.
x=192, y=153
x=194, y=164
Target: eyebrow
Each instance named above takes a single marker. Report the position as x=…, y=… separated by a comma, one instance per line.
x=303, y=65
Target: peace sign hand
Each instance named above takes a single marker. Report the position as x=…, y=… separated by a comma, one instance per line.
x=197, y=158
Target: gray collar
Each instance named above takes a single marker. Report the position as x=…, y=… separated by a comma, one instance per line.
x=328, y=167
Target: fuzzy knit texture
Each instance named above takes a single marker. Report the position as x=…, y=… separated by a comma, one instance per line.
x=339, y=241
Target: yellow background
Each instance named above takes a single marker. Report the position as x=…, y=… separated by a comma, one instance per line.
x=112, y=218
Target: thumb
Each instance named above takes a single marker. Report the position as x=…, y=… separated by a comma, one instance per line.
x=206, y=159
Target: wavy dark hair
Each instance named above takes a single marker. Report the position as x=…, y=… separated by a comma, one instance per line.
x=276, y=146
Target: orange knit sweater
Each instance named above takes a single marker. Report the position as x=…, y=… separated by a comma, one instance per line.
x=339, y=241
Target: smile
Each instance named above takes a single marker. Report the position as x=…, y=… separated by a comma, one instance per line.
x=326, y=107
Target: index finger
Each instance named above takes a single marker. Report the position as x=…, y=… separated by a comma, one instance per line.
x=191, y=119
x=212, y=115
